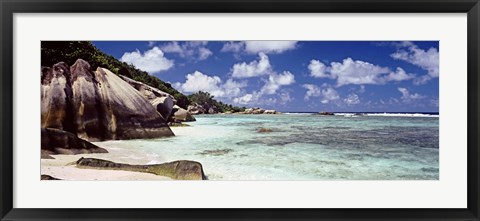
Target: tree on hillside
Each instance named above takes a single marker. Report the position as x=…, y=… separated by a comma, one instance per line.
x=206, y=100
x=53, y=52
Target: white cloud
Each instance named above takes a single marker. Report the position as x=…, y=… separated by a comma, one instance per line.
x=326, y=93
x=232, y=88
x=177, y=85
x=329, y=94
x=151, y=61
x=254, y=47
x=352, y=99
x=273, y=84
x=151, y=44
x=312, y=91
x=422, y=80
x=408, y=97
x=357, y=72
x=198, y=81
x=318, y=69
x=232, y=46
x=425, y=59
x=399, y=75
x=285, y=97
x=270, y=101
x=256, y=98
x=231, y=84
x=275, y=81
x=195, y=50
x=204, y=53
x=250, y=98
x=173, y=47
x=276, y=47
x=252, y=69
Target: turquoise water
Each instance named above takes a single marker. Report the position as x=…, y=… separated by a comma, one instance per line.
x=300, y=147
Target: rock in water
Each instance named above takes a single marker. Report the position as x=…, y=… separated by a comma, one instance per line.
x=257, y=110
x=195, y=108
x=180, y=114
x=55, y=141
x=205, y=108
x=180, y=170
x=217, y=152
x=97, y=105
x=325, y=113
x=270, y=112
x=212, y=110
x=264, y=130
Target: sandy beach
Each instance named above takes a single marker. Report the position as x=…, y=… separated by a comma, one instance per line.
x=74, y=173
x=61, y=167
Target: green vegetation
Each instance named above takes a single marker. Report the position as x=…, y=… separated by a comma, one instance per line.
x=205, y=99
x=69, y=51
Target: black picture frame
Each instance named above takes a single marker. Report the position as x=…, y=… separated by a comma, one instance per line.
x=9, y=7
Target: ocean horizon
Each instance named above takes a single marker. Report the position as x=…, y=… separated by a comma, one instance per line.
x=297, y=147
x=256, y=110
x=373, y=113
x=367, y=112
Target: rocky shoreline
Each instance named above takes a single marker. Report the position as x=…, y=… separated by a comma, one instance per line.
x=254, y=110
x=80, y=105
x=179, y=170
x=257, y=110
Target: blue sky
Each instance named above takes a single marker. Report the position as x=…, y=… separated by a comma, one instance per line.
x=361, y=76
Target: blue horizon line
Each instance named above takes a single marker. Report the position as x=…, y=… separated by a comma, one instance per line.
x=363, y=112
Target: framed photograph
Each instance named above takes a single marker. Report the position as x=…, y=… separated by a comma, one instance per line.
x=262, y=110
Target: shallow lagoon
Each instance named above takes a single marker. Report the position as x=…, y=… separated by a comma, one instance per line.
x=298, y=147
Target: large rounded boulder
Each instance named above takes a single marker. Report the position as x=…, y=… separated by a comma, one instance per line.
x=97, y=105
x=180, y=114
x=179, y=170
x=164, y=106
x=55, y=141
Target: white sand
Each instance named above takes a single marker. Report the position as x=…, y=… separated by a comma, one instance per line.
x=118, y=153
x=58, y=168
